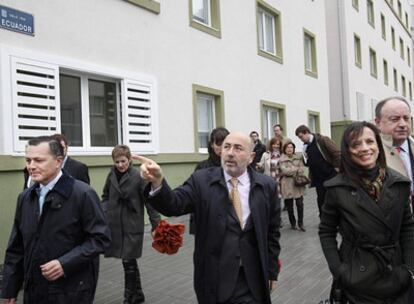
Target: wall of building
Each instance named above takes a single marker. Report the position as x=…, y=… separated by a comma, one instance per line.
x=122, y=39
x=355, y=79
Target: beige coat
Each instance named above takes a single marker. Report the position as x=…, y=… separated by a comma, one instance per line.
x=264, y=163
x=289, y=167
x=394, y=160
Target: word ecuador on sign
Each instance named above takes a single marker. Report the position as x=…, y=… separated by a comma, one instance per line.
x=16, y=21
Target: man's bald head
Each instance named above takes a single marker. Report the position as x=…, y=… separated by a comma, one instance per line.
x=237, y=153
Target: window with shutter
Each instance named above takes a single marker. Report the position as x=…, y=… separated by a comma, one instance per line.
x=95, y=110
x=138, y=112
x=35, y=95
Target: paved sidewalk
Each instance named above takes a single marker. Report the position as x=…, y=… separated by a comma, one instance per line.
x=305, y=278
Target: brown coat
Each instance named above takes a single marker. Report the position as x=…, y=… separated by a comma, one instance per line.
x=394, y=160
x=288, y=168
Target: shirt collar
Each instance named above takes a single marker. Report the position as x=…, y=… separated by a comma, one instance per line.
x=404, y=146
x=243, y=179
x=311, y=137
x=64, y=161
x=53, y=182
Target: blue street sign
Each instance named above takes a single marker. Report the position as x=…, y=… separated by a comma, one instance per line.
x=17, y=21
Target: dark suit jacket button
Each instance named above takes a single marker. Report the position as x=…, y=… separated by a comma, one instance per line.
x=362, y=268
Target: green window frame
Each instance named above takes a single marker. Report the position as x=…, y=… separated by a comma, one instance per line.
x=271, y=113
x=209, y=23
x=393, y=38
x=310, y=55
x=357, y=51
x=373, y=63
x=408, y=56
x=395, y=80
x=399, y=9
x=150, y=5
x=355, y=4
x=406, y=20
x=402, y=48
x=217, y=112
x=385, y=68
x=370, y=13
x=269, y=44
x=410, y=90
x=383, y=27
x=314, y=123
x=403, y=86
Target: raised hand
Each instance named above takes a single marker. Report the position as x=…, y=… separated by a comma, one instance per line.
x=150, y=170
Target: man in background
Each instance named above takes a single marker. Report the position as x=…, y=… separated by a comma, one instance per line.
x=76, y=169
x=322, y=157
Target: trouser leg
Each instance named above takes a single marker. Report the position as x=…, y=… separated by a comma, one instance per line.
x=133, y=293
x=299, y=207
x=289, y=206
x=320, y=192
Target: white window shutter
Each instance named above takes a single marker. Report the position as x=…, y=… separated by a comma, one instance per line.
x=138, y=115
x=35, y=97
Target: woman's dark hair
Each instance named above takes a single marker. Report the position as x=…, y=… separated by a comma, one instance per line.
x=217, y=137
x=286, y=145
x=272, y=141
x=352, y=132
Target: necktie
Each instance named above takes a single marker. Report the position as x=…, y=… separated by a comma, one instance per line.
x=398, y=149
x=235, y=198
x=42, y=195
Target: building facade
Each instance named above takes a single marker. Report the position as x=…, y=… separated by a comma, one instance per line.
x=370, y=57
x=156, y=75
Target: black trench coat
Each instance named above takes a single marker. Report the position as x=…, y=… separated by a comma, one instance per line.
x=205, y=193
x=376, y=254
x=123, y=204
x=72, y=229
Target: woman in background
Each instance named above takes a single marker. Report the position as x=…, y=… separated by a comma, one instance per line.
x=270, y=159
x=123, y=204
x=291, y=164
x=369, y=205
x=217, y=137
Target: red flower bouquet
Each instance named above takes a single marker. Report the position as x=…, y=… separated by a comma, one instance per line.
x=168, y=238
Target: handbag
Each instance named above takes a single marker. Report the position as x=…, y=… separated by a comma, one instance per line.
x=301, y=180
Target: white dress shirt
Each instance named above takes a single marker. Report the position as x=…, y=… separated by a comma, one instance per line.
x=405, y=157
x=244, y=190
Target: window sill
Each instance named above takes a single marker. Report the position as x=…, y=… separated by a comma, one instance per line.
x=358, y=64
x=205, y=28
x=372, y=24
x=313, y=74
x=278, y=59
x=150, y=5
x=374, y=75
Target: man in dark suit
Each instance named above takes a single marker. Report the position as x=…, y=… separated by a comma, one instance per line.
x=58, y=232
x=76, y=169
x=258, y=148
x=237, y=224
x=322, y=157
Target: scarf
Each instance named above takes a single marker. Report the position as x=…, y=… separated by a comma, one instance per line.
x=372, y=181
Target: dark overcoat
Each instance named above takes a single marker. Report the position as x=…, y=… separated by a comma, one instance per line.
x=123, y=203
x=71, y=229
x=205, y=193
x=376, y=255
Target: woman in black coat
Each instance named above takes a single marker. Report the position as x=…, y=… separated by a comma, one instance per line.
x=217, y=137
x=123, y=204
x=368, y=204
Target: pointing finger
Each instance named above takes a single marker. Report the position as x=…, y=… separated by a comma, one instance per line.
x=141, y=159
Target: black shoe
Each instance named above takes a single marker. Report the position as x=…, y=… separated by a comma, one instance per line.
x=301, y=228
x=293, y=227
